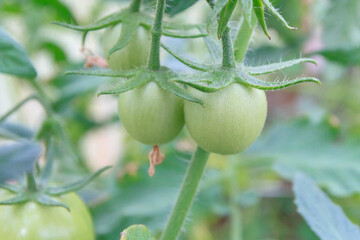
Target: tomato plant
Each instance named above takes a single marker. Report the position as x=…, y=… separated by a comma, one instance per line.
x=30, y=220
x=150, y=114
x=134, y=55
x=230, y=121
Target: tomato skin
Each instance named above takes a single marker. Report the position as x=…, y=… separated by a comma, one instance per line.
x=151, y=114
x=32, y=221
x=134, y=55
x=230, y=121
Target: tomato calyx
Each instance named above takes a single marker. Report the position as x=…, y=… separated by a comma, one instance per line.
x=131, y=20
x=155, y=158
x=37, y=189
x=215, y=77
x=135, y=78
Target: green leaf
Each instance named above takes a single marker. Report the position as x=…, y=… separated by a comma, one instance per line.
x=189, y=63
x=324, y=217
x=111, y=19
x=314, y=148
x=13, y=58
x=101, y=72
x=259, y=13
x=225, y=15
x=15, y=131
x=265, y=69
x=128, y=29
x=137, y=232
x=56, y=191
x=127, y=85
x=17, y=159
x=174, y=7
x=343, y=55
x=251, y=81
x=216, y=10
x=273, y=10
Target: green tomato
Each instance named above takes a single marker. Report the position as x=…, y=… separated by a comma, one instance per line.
x=32, y=221
x=151, y=114
x=230, y=121
x=134, y=55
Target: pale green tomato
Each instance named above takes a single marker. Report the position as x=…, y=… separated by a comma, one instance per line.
x=150, y=114
x=230, y=121
x=134, y=55
x=32, y=221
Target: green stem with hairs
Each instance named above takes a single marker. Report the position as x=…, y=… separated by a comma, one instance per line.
x=228, y=53
x=156, y=32
x=135, y=5
x=243, y=37
x=187, y=193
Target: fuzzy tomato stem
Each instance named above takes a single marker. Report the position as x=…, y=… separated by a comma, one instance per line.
x=135, y=5
x=156, y=32
x=187, y=193
x=228, y=53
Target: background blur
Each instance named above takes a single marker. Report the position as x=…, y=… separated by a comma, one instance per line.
x=310, y=128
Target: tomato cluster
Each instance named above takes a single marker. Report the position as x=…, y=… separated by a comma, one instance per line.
x=229, y=122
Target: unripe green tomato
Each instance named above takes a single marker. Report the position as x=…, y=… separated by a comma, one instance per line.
x=134, y=55
x=230, y=121
x=150, y=114
x=32, y=221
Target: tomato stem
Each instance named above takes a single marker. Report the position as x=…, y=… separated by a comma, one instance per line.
x=31, y=183
x=243, y=37
x=187, y=193
x=156, y=32
x=228, y=53
x=135, y=5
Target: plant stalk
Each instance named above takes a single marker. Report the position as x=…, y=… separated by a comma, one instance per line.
x=30, y=182
x=228, y=53
x=156, y=32
x=187, y=193
x=135, y=5
x=243, y=37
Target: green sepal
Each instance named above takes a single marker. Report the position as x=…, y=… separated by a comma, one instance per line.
x=15, y=200
x=225, y=15
x=265, y=69
x=111, y=19
x=127, y=85
x=273, y=10
x=138, y=232
x=128, y=29
x=101, y=72
x=216, y=10
x=251, y=81
x=210, y=81
x=259, y=12
x=9, y=187
x=56, y=191
x=180, y=92
x=50, y=202
x=189, y=63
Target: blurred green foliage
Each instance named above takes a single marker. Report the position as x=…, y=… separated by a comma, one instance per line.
x=312, y=129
